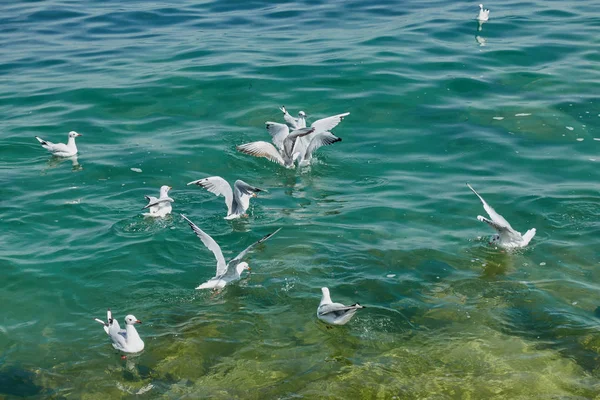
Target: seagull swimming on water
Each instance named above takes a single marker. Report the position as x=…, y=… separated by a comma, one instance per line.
x=226, y=272
x=335, y=313
x=506, y=237
x=484, y=14
x=285, y=153
x=126, y=340
x=237, y=200
x=61, y=149
x=161, y=206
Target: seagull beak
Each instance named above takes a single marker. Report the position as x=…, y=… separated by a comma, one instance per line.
x=79, y=134
x=249, y=269
x=170, y=187
x=138, y=321
x=254, y=195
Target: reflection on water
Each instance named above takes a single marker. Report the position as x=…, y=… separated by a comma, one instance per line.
x=55, y=161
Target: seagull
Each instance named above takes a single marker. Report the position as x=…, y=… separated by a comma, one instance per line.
x=506, y=237
x=484, y=14
x=161, y=206
x=335, y=313
x=226, y=272
x=61, y=149
x=237, y=201
x=284, y=154
x=320, y=137
x=126, y=340
x=292, y=122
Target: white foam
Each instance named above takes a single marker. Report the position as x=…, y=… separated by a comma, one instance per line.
x=570, y=128
x=499, y=118
x=136, y=169
x=522, y=114
x=580, y=139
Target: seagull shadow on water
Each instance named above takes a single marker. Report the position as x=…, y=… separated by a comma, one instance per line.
x=54, y=162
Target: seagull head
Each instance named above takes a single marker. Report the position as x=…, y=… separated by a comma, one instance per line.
x=302, y=114
x=241, y=267
x=74, y=134
x=481, y=6
x=164, y=190
x=130, y=320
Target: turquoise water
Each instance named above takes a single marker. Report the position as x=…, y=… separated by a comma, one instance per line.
x=383, y=218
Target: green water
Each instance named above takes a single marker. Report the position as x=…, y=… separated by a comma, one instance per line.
x=383, y=218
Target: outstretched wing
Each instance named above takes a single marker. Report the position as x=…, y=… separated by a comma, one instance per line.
x=278, y=133
x=496, y=218
x=262, y=149
x=321, y=139
x=291, y=121
x=234, y=262
x=327, y=124
x=241, y=194
x=211, y=245
x=218, y=186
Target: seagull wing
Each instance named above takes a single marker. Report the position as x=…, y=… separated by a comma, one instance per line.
x=262, y=149
x=234, y=262
x=327, y=124
x=336, y=309
x=321, y=139
x=211, y=245
x=242, y=192
x=278, y=133
x=218, y=186
x=290, y=143
x=291, y=121
x=153, y=201
x=497, y=219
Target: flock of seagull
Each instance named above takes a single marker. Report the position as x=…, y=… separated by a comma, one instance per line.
x=293, y=144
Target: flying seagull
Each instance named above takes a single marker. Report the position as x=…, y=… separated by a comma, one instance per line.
x=236, y=200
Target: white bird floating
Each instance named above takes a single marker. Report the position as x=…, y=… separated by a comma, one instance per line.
x=61, y=149
x=335, y=313
x=161, y=206
x=237, y=200
x=226, y=272
x=506, y=237
x=484, y=14
x=126, y=340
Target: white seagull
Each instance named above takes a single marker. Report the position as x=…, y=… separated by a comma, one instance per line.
x=484, y=14
x=506, y=237
x=226, y=272
x=161, y=206
x=126, y=340
x=335, y=313
x=61, y=149
x=285, y=153
x=236, y=200
x=319, y=137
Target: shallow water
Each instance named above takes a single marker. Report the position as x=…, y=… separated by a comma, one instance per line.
x=383, y=218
